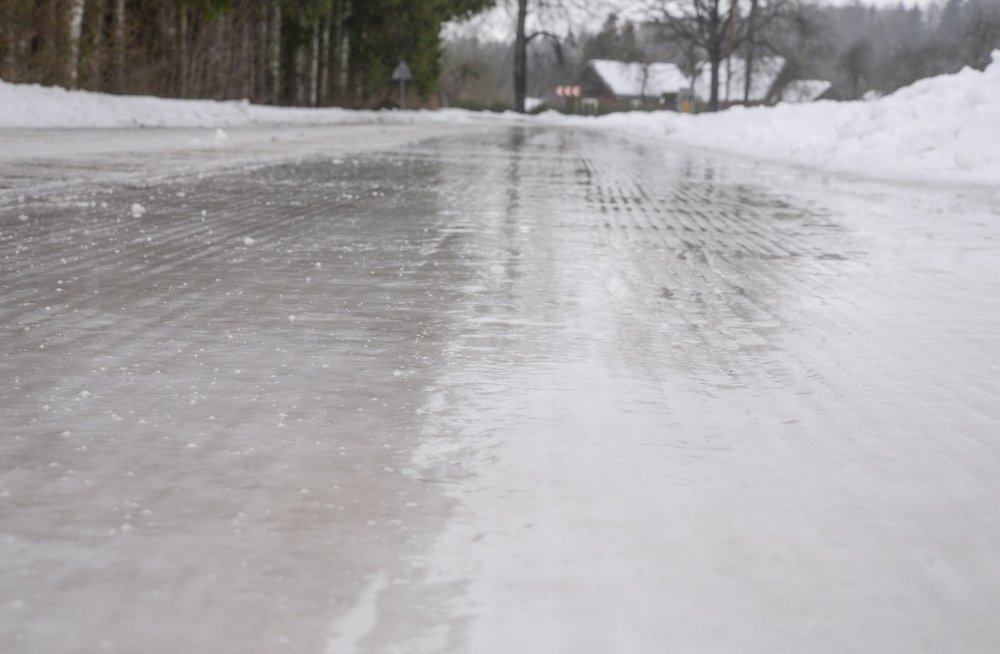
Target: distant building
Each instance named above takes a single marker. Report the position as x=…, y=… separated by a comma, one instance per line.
x=765, y=77
x=804, y=90
x=633, y=85
x=616, y=85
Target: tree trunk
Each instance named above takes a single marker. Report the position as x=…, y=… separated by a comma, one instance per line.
x=118, y=34
x=729, y=76
x=182, y=50
x=341, y=52
x=74, y=27
x=233, y=57
x=248, y=66
x=262, y=90
x=323, y=61
x=297, y=81
x=750, y=35
x=8, y=38
x=274, y=57
x=313, y=99
x=715, y=60
x=521, y=57
x=92, y=47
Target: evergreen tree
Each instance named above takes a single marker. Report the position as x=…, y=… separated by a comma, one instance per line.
x=307, y=52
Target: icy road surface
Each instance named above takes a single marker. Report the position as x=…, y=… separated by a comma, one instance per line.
x=508, y=390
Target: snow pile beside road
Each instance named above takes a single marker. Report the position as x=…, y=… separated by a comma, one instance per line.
x=23, y=105
x=944, y=128
x=33, y=106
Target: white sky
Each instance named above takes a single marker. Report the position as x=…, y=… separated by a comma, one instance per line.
x=498, y=23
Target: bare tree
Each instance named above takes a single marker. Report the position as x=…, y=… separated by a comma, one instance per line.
x=856, y=64
x=709, y=25
x=764, y=23
x=522, y=39
x=477, y=74
x=752, y=23
x=521, y=57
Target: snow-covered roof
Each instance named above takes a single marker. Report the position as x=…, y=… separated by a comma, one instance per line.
x=634, y=80
x=765, y=72
x=804, y=90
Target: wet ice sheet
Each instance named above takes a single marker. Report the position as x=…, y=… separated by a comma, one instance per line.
x=530, y=391
x=210, y=402
x=45, y=162
x=723, y=414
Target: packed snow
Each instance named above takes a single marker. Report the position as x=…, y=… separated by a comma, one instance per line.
x=34, y=106
x=635, y=79
x=938, y=129
x=941, y=129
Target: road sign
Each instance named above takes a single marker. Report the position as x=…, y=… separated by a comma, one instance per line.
x=569, y=91
x=402, y=75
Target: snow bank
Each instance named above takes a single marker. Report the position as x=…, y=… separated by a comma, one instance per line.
x=33, y=106
x=944, y=128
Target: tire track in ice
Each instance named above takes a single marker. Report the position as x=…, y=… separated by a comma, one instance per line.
x=739, y=321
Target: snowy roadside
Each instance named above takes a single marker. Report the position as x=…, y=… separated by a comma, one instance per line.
x=943, y=129
x=51, y=138
x=33, y=106
x=939, y=130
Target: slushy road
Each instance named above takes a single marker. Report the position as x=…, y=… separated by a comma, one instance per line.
x=491, y=390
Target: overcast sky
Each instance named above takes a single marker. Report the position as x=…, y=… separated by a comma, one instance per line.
x=589, y=14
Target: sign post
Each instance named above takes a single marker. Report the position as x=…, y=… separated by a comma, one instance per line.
x=402, y=75
x=568, y=93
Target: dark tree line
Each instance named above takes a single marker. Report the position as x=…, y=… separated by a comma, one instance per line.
x=882, y=50
x=301, y=52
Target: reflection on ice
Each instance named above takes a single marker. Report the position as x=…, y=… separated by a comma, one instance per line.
x=676, y=416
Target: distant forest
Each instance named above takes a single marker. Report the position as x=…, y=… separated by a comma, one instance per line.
x=343, y=52
x=859, y=49
x=292, y=52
